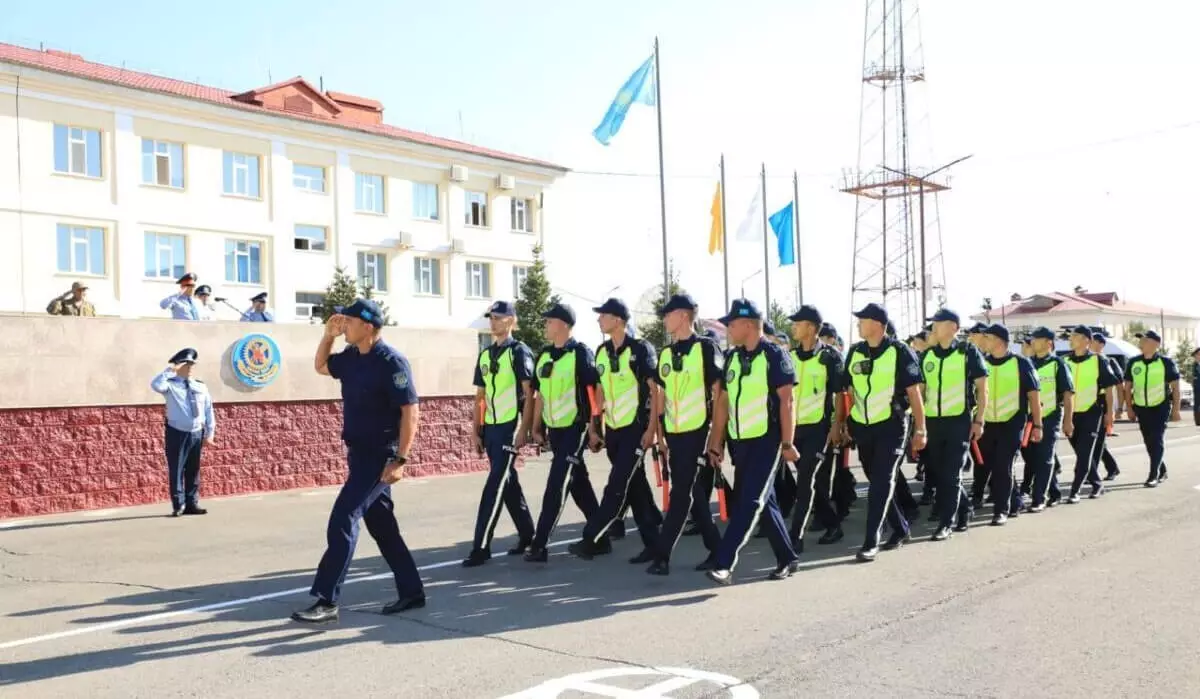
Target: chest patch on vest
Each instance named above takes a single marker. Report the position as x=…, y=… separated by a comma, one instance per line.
x=664, y=370
x=861, y=367
x=485, y=369
x=930, y=366
x=730, y=376
x=601, y=368
x=1137, y=369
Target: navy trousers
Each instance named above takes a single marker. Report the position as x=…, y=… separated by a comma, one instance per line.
x=1153, y=425
x=364, y=497
x=814, y=483
x=755, y=462
x=945, y=453
x=1040, y=457
x=568, y=474
x=627, y=487
x=998, y=446
x=502, y=486
x=1083, y=439
x=844, y=483
x=183, y=466
x=881, y=449
x=1101, y=454
x=688, y=494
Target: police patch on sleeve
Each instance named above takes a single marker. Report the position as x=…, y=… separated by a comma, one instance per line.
x=400, y=380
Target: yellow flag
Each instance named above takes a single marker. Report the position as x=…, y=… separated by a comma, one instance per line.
x=716, y=233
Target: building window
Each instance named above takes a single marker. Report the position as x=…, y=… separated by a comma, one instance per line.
x=372, y=270
x=243, y=262
x=310, y=237
x=309, y=304
x=479, y=283
x=522, y=215
x=241, y=174
x=77, y=150
x=165, y=256
x=427, y=276
x=162, y=163
x=425, y=200
x=368, y=193
x=485, y=341
x=308, y=177
x=519, y=276
x=80, y=249
x=477, y=209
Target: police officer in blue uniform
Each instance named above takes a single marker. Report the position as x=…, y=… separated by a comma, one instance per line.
x=258, y=312
x=503, y=381
x=979, y=471
x=627, y=368
x=1091, y=377
x=566, y=417
x=844, y=482
x=1102, y=453
x=1196, y=386
x=190, y=424
x=884, y=379
x=183, y=306
x=380, y=414
x=1153, y=387
x=1012, y=400
x=1057, y=397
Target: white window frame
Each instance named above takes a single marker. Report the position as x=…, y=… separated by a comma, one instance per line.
x=79, y=237
x=81, y=141
x=422, y=215
x=424, y=270
x=162, y=149
x=296, y=238
x=364, y=181
x=522, y=209
x=239, y=164
x=163, y=244
x=479, y=280
x=520, y=274
x=471, y=198
x=305, y=182
x=250, y=281
x=374, y=270
x=309, y=309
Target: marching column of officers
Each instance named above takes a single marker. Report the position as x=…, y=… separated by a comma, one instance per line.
x=786, y=415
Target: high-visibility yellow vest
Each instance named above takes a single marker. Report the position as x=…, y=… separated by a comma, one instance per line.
x=748, y=389
x=1149, y=382
x=1004, y=391
x=620, y=386
x=685, y=397
x=873, y=385
x=556, y=383
x=809, y=394
x=1086, y=377
x=1048, y=387
x=500, y=387
x=945, y=383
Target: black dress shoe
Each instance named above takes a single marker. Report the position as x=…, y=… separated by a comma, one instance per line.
x=784, y=571
x=659, y=567
x=709, y=563
x=895, y=541
x=521, y=547
x=175, y=513
x=644, y=557
x=720, y=577
x=194, y=510
x=941, y=534
x=617, y=530
x=999, y=520
x=866, y=555
x=404, y=604
x=962, y=527
x=831, y=536
x=537, y=555
x=1096, y=492
x=320, y=613
x=583, y=549
x=476, y=558
x=1112, y=476
x=1151, y=483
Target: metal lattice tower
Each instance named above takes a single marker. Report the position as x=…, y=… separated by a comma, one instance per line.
x=897, y=236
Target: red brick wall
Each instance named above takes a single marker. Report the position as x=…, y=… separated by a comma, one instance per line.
x=64, y=459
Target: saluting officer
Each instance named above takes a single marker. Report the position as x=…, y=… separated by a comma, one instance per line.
x=1148, y=377
x=689, y=374
x=183, y=306
x=258, y=312
x=755, y=410
x=1056, y=393
x=885, y=379
x=503, y=382
x=379, y=424
x=1091, y=377
x=1012, y=398
x=564, y=382
x=190, y=424
x=206, y=310
x=628, y=397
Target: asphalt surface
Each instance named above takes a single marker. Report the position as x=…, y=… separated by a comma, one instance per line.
x=1094, y=599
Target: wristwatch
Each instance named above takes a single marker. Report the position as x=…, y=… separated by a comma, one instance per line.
x=785, y=445
x=401, y=460
x=1037, y=427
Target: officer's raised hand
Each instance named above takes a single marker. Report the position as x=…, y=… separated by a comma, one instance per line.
x=335, y=326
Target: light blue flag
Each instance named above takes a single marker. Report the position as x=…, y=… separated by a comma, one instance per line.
x=781, y=224
x=638, y=88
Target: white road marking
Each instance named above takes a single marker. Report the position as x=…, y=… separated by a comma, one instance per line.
x=586, y=683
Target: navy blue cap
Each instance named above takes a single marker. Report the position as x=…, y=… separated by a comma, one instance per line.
x=363, y=309
x=827, y=330
x=679, y=302
x=1152, y=335
x=890, y=329
x=997, y=330
x=186, y=354
x=1042, y=333
x=977, y=328
x=259, y=298
x=944, y=315
x=203, y=290
x=500, y=309
x=614, y=307
x=741, y=308
x=561, y=311
x=873, y=311
x=188, y=278
x=807, y=313
x=923, y=336
x=1099, y=337
x=769, y=329
x=1082, y=330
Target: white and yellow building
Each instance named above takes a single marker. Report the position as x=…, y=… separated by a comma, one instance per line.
x=126, y=180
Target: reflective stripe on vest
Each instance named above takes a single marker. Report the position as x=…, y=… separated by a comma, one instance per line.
x=748, y=390
x=500, y=388
x=808, y=395
x=945, y=383
x=1048, y=387
x=559, y=405
x=874, y=389
x=1004, y=391
x=620, y=387
x=1086, y=377
x=1149, y=383
x=685, y=397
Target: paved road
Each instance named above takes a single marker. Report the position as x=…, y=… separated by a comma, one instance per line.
x=1095, y=599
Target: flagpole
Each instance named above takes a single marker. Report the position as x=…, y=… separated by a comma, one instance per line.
x=766, y=245
x=796, y=228
x=724, y=229
x=662, y=175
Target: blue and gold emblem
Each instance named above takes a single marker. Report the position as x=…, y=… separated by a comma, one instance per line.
x=256, y=360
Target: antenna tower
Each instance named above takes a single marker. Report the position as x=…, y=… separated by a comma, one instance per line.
x=897, y=237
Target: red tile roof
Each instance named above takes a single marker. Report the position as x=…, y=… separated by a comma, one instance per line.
x=74, y=65
x=1061, y=302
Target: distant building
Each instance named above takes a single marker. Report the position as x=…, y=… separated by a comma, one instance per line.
x=1105, y=309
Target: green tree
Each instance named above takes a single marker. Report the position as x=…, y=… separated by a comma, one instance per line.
x=343, y=290
x=1185, y=362
x=651, y=329
x=779, y=318
x=1132, y=329
x=532, y=302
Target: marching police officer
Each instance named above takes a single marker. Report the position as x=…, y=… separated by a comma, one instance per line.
x=258, y=312
x=379, y=424
x=190, y=424
x=1148, y=378
x=1056, y=394
x=1196, y=386
x=1091, y=377
x=1012, y=395
x=756, y=412
x=885, y=379
x=628, y=396
x=979, y=471
x=1102, y=453
x=503, y=381
x=565, y=381
x=844, y=483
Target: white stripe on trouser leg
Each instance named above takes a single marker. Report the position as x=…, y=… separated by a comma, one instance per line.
x=1050, y=471
x=566, y=486
x=812, y=496
x=1087, y=473
x=758, y=508
x=494, y=518
x=637, y=464
x=890, y=500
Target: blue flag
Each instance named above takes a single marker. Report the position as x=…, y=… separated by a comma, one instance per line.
x=781, y=224
x=638, y=88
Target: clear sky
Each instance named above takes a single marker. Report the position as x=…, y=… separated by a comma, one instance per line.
x=1081, y=115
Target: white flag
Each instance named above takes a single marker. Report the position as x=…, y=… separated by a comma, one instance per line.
x=751, y=228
